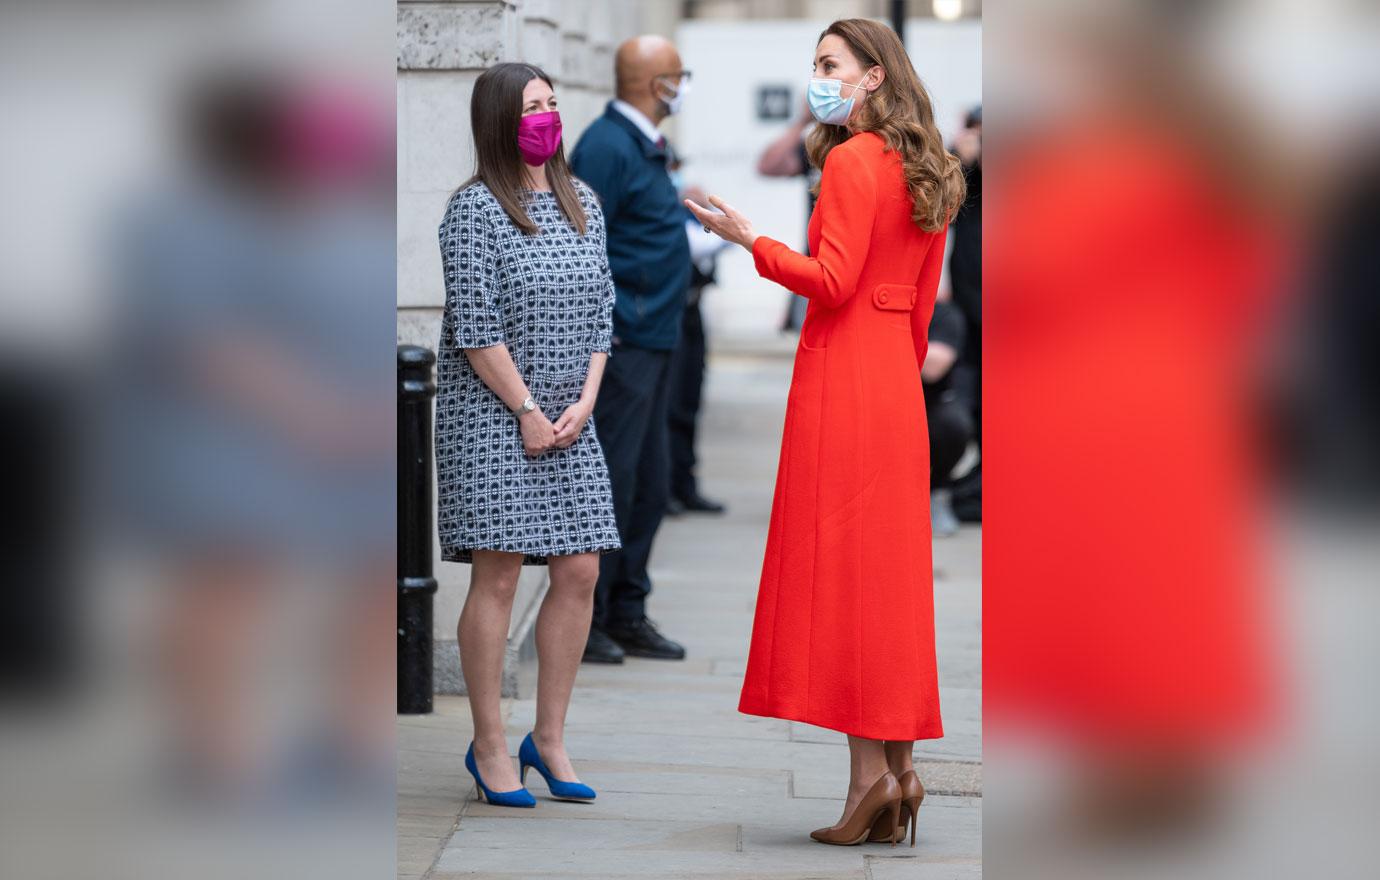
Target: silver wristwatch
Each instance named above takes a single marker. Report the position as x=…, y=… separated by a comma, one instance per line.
x=527, y=406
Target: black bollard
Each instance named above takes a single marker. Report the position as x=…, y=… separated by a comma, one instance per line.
x=416, y=585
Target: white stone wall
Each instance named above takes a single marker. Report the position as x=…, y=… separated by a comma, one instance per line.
x=443, y=46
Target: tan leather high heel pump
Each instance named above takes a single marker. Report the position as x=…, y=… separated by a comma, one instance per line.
x=912, y=793
x=882, y=803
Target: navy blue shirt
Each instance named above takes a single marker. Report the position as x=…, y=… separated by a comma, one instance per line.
x=649, y=255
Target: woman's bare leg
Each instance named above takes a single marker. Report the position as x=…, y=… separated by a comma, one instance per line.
x=562, y=630
x=867, y=764
x=483, y=636
x=900, y=756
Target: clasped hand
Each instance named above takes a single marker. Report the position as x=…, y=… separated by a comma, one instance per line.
x=540, y=435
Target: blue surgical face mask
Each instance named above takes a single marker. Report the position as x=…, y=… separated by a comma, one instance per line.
x=827, y=104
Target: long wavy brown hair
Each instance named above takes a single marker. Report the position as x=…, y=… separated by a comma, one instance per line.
x=900, y=111
x=495, y=111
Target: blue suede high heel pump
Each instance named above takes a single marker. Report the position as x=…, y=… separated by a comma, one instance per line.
x=565, y=791
x=518, y=797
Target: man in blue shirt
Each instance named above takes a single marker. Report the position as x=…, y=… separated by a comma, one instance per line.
x=623, y=157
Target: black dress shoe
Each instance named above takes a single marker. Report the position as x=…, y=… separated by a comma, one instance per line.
x=641, y=639
x=601, y=649
x=697, y=503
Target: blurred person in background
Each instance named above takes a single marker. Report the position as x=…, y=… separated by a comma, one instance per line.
x=1133, y=630
x=520, y=477
x=623, y=157
x=688, y=363
x=844, y=630
x=950, y=419
x=1330, y=399
x=787, y=156
x=244, y=445
x=965, y=280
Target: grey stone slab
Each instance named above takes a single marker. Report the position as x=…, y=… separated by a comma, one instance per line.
x=421, y=825
x=436, y=36
x=962, y=741
x=731, y=802
x=448, y=803
x=433, y=775
x=735, y=668
x=436, y=739
x=917, y=869
x=951, y=778
x=816, y=861
x=687, y=750
x=802, y=732
x=480, y=832
x=767, y=784
x=942, y=832
x=747, y=870
x=458, y=792
x=417, y=854
x=960, y=703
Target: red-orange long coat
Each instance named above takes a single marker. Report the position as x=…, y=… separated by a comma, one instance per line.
x=844, y=631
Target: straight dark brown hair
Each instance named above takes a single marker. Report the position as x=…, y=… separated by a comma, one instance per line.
x=495, y=111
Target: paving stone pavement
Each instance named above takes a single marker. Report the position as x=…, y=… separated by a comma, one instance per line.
x=688, y=787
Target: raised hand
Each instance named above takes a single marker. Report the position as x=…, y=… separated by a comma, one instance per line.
x=726, y=223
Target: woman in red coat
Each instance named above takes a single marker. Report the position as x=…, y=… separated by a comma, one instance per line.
x=844, y=631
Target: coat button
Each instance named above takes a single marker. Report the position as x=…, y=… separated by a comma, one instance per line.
x=881, y=297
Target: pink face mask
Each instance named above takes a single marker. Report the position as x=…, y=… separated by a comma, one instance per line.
x=539, y=134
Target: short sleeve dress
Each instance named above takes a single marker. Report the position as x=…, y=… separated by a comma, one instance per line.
x=549, y=297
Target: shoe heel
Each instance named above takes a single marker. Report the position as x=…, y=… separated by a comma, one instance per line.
x=914, y=807
x=895, y=820
x=880, y=830
x=519, y=797
x=529, y=757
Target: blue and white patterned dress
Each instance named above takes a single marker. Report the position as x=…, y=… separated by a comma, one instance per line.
x=549, y=297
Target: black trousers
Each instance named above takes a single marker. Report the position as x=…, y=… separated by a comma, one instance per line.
x=687, y=390
x=951, y=427
x=630, y=418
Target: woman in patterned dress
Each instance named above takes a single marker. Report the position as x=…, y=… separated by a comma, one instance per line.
x=521, y=478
